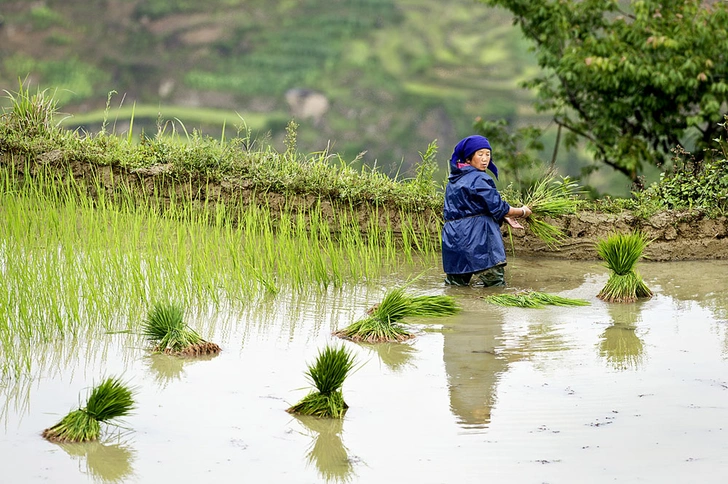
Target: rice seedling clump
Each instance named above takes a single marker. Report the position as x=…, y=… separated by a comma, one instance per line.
x=383, y=322
x=109, y=400
x=165, y=327
x=550, y=197
x=327, y=375
x=533, y=299
x=621, y=253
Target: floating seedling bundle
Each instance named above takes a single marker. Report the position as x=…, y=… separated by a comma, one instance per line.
x=165, y=327
x=327, y=375
x=533, y=299
x=383, y=321
x=108, y=401
x=621, y=253
x=550, y=197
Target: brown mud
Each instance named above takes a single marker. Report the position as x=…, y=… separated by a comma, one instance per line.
x=674, y=235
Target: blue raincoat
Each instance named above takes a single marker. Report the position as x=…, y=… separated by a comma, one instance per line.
x=473, y=212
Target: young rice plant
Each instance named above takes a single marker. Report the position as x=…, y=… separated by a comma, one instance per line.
x=533, y=299
x=165, y=327
x=621, y=253
x=108, y=401
x=383, y=321
x=327, y=375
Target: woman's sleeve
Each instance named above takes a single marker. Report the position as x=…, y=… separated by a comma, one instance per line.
x=487, y=194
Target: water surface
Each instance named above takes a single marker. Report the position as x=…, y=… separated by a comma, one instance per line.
x=601, y=393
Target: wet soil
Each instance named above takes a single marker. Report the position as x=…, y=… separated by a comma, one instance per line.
x=675, y=235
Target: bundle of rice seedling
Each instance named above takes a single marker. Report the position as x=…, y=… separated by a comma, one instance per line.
x=165, y=327
x=533, y=299
x=550, y=197
x=108, y=401
x=382, y=323
x=621, y=253
x=438, y=305
x=327, y=375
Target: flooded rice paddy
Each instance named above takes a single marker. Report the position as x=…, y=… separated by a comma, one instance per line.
x=601, y=393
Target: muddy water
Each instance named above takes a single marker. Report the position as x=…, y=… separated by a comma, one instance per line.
x=602, y=393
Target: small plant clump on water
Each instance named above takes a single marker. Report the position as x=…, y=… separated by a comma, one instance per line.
x=166, y=328
x=108, y=401
x=327, y=375
x=533, y=299
x=621, y=253
x=383, y=321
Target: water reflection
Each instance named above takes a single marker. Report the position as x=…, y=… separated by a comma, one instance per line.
x=395, y=356
x=327, y=451
x=473, y=366
x=104, y=462
x=169, y=368
x=620, y=344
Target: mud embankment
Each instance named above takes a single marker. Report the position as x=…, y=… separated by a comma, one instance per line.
x=675, y=235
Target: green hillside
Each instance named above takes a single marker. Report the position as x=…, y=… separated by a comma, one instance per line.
x=389, y=76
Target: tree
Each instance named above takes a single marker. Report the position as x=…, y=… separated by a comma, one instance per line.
x=634, y=79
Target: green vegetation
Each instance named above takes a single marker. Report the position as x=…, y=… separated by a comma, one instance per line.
x=548, y=197
x=621, y=253
x=533, y=299
x=165, y=327
x=633, y=79
x=383, y=321
x=327, y=375
x=108, y=401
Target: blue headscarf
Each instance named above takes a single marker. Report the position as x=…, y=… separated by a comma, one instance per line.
x=465, y=149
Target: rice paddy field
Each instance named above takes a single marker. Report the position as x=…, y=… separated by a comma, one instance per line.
x=602, y=392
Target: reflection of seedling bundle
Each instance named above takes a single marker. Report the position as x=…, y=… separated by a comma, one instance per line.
x=165, y=327
x=107, y=463
x=550, y=197
x=327, y=375
x=533, y=299
x=108, y=401
x=327, y=452
x=621, y=253
x=621, y=346
x=383, y=321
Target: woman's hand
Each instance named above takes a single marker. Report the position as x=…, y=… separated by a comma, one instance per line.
x=513, y=223
x=526, y=211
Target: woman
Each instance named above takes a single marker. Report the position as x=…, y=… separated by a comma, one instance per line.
x=472, y=244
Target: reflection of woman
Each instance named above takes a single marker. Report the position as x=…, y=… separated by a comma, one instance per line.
x=473, y=367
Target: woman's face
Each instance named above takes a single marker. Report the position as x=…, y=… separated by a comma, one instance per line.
x=480, y=159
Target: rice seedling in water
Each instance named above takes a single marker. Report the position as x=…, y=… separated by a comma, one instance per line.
x=108, y=401
x=165, y=327
x=438, y=305
x=621, y=253
x=533, y=299
x=327, y=375
x=383, y=321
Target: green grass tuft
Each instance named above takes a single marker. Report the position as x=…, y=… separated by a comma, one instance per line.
x=108, y=401
x=533, y=299
x=165, y=327
x=621, y=253
x=383, y=321
x=550, y=197
x=327, y=374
